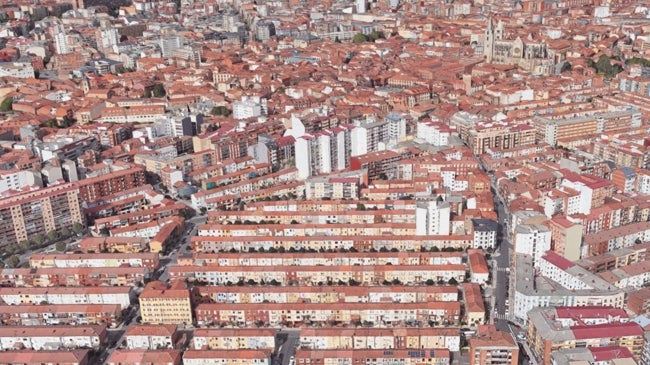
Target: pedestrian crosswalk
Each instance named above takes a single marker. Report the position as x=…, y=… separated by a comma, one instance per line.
x=503, y=269
x=499, y=316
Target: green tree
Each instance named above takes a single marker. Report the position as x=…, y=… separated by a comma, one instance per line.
x=6, y=105
x=61, y=246
x=221, y=110
x=566, y=67
x=13, y=261
x=52, y=235
x=374, y=35
x=39, y=239
x=359, y=38
x=159, y=91
x=23, y=245
x=452, y=281
x=77, y=228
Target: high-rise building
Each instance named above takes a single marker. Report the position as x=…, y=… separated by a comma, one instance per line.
x=61, y=40
x=169, y=44
x=106, y=39
x=432, y=218
x=25, y=215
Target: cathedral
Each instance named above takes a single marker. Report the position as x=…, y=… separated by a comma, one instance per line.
x=530, y=55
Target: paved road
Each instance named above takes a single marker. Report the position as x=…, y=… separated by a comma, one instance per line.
x=502, y=258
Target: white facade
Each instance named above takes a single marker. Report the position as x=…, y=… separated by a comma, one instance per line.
x=586, y=194
x=21, y=70
x=396, y=127
x=16, y=180
x=151, y=342
x=169, y=44
x=14, y=296
x=533, y=240
x=61, y=40
x=432, y=218
x=107, y=38
x=361, y=6
x=68, y=337
x=359, y=141
x=235, y=343
x=249, y=107
x=643, y=184
x=433, y=132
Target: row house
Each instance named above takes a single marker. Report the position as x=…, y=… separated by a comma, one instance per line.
x=373, y=356
x=149, y=260
x=232, y=201
x=281, y=314
x=230, y=357
x=234, y=338
x=380, y=338
x=320, y=275
x=67, y=295
x=288, y=175
x=143, y=216
x=304, y=229
x=328, y=258
x=52, y=338
x=31, y=357
x=152, y=337
x=45, y=314
x=113, y=244
x=331, y=242
x=332, y=188
x=328, y=294
x=350, y=216
x=85, y=276
x=144, y=356
x=616, y=259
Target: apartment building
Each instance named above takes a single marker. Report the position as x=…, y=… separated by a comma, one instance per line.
x=277, y=314
x=329, y=294
x=152, y=337
x=608, y=355
x=478, y=268
x=132, y=114
x=532, y=291
x=149, y=260
x=568, y=128
x=52, y=338
x=167, y=209
x=492, y=347
x=230, y=357
x=616, y=259
x=234, y=339
x=162, y=303
x=27, y=214
x=67, y=295
x=46, y=314
x=533, y=240
x=474, y=305
x=372, y=356
x=380, y=338
x=552, y=329
x=315, y=275
x=93, y=188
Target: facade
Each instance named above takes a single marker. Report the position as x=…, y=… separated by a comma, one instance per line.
x=26, y=215
x=161, y=303
x=492, y=347
x=533, y=240
x=47, y=338
x=152, y=337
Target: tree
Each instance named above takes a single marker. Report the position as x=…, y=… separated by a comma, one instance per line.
x=374, y=35
x=566, y=67
x=359, y=38
x=158, y=91
x=221, y=110
x=52, y=235
x=452, y=281
x=361, y=206
x=6, y=105
x=61, y=246
x=13, y=261
x=77, y=228
x=39, y=239
x=65, y=232
x=430, y=282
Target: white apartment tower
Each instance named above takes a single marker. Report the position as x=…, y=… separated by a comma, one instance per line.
x=432, y=218
x=61, y=40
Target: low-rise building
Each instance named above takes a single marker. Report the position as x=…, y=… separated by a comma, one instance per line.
x=474, y=306
x=52, y=338
x=492, y=347
x=234, y=339
x=554, y=328
x=140, y=357
x=162, y=303
x=373, y=356
x=67, y=295
x=31, y=357
x=152, y=337
x=44, y=314
x=230, y=357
